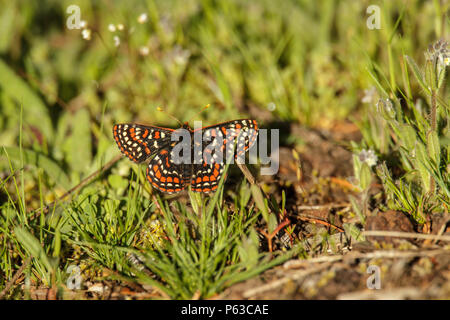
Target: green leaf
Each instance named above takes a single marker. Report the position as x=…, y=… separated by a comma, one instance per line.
x=117, y=182
x=408, y=136
x=244, y=195
x=356, y=165
x=248, y=250
x=441, y=77
x=442, y=102
x=421, y=162
x=272, y=223
x=357, y=209
x=259, y=200
x=433, y=146
x=33, y=247
x=430, y=76
x=354, y=232
x=38, y=160
x=196, y=202
x=365, y=176
x=57, y=243
x=34, y=110
x=79, y=148
x=417, y=73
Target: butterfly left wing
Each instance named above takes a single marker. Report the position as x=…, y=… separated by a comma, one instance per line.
x=139, y=142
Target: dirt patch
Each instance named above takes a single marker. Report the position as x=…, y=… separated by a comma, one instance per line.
x=409, y=274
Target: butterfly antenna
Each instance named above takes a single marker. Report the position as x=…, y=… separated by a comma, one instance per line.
x=168, y=114
x=202, y=109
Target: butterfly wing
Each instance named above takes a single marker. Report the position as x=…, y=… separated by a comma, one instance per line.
x=206, y=175
x=166, y=175
x=242, y=132
x=139, y=142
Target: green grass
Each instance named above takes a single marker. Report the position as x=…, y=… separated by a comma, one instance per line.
x=60, y=96
x=413, y=140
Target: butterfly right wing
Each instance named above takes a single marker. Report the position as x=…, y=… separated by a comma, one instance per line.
x=139, y=142
x=205, y=177
x=242, y=132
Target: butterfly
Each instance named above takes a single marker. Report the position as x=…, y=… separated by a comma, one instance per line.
x=165, y=172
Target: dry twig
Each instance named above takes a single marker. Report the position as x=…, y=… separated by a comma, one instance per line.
x=411, y=235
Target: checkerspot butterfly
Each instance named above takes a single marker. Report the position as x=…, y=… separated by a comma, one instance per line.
x=165, y=172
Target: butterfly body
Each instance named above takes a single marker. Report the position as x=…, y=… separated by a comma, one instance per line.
x=204, y=167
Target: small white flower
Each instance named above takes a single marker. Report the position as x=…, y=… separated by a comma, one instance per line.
x=116, y=41
x=83, y=24
x=144, y=50
x=368, y=156
x=86, y=33
x=120, y=27
x=444, y=60
x=112, y=27
x=142, y=18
